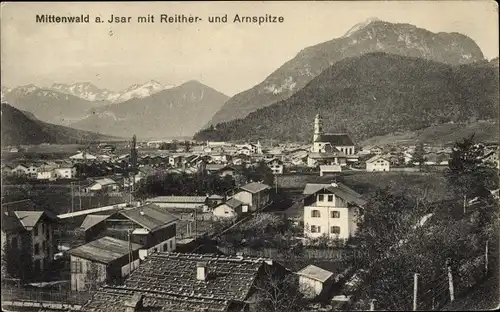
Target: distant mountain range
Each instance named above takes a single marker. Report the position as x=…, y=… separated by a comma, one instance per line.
x=22, y=128
x=90, y=92
x=375, y=94
x=371, y=36
x=178, y=111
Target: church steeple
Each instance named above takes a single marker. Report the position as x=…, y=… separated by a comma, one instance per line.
x=318, y=127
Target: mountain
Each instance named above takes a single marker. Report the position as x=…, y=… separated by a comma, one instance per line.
x=373, y=95
x=20, y=129
x=371, y=36
x=179, y=111
x=90, y=92
x=49, y=105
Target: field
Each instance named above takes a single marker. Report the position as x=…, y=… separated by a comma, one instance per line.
x=412, y=184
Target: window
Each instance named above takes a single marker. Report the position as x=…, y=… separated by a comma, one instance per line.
x=330, y=198
x=335, y=214
x=165, y=247
x=37, y=249
x=335, y=230
x=315, y=229
x=76, y=267
x=315, y=214
x=321, y=197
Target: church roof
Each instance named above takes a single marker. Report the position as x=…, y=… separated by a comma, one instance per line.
x=340, y=139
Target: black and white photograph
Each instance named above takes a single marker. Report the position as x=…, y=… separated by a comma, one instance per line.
x=250, y=156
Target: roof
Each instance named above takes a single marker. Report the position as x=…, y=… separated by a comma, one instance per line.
x=316, y=273
x=149, y=216
x=229, y=277
x=105, y=181
x=233, y=203
x=104, y=250
x=113, y=299
x=80, y=156
x=375, y=158
x=336, y=188
x=326, y=155
x=19, y=205
x=178, y=199
x=336, y=139
x=255, y=187
x=22, y=214
x=215, y=196
x=92, y=220
x=28, y=218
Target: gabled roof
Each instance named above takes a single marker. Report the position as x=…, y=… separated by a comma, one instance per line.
x=149, y=216
x=315, y=273
x=375, y=158
x=229, y=277
x=255, y=187
x=233, y=203
x=178, y=199
x=105, y=181
x=80, y=156
x=336, y=188
x=104, y=250
x=336, y=139
x=92, y=220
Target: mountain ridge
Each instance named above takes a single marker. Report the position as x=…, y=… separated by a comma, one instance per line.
x=396, y=38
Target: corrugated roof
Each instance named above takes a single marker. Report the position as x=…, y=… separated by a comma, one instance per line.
x=178, y=199
x=149, y=216
x=255, y=187
x=92, y=220
x=316, y=273
x=104, y=250
x=336, y=139
x=340, y=190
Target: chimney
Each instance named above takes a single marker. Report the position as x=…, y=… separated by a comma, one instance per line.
x=134, y=303
x=201, y=271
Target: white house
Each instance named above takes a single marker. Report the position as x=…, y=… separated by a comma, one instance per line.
x=378, y=163
x=82, y=156
x=44, y=175
x=103, y=184
x=275, y=165
x=314, y=281
x=329, y=169
x=232, y=208
x=20, y=170
x=332, y=210
x=65, y=173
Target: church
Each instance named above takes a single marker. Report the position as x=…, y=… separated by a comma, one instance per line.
x=330, y=148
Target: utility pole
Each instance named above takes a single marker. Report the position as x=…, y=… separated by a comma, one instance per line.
x=129, y=252
x=486, y=258
x=415, y=291
x=450, y=281
x=465, y=204
x=72, y=198
x=195, y=222
x=80, y=195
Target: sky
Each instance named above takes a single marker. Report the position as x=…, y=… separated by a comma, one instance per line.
x=228, y=57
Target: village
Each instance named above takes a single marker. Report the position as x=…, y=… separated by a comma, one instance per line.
x=210, y=226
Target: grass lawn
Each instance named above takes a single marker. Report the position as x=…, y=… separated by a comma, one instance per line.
x=413, y=184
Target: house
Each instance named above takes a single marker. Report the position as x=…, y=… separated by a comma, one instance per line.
x=232, y=208
x=175, y=160
x=221, y=170
x=378, y=163
x=150, y=226
x=275, y=165
x=20, y=170
x=104, y=260
x=103, y=184
x=254, y=194
x=27, y=238
x=32, y=171
x=329, y=169
x=181, y=202
x=332, y=210
x=65, y=173
x=187, y=282
x=492, y=158
x=44, y=175
x=314, y=281
x=214, y=200
x=341, y=141
x=6, y=170
x=377, y=150
x=82, y=156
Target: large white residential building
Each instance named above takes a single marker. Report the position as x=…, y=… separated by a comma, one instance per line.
x=332, y=210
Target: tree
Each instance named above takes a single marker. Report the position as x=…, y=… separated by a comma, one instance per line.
x=419, y=155
x=279, y=291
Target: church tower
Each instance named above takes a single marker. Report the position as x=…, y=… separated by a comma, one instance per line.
x=318, y=127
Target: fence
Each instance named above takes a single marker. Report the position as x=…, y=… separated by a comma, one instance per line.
x=68, y=297
x=306, y=253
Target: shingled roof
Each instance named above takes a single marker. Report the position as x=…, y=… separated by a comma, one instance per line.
x=336, y=139
x=338, y=189
x=229, y=278
x=113, y=299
